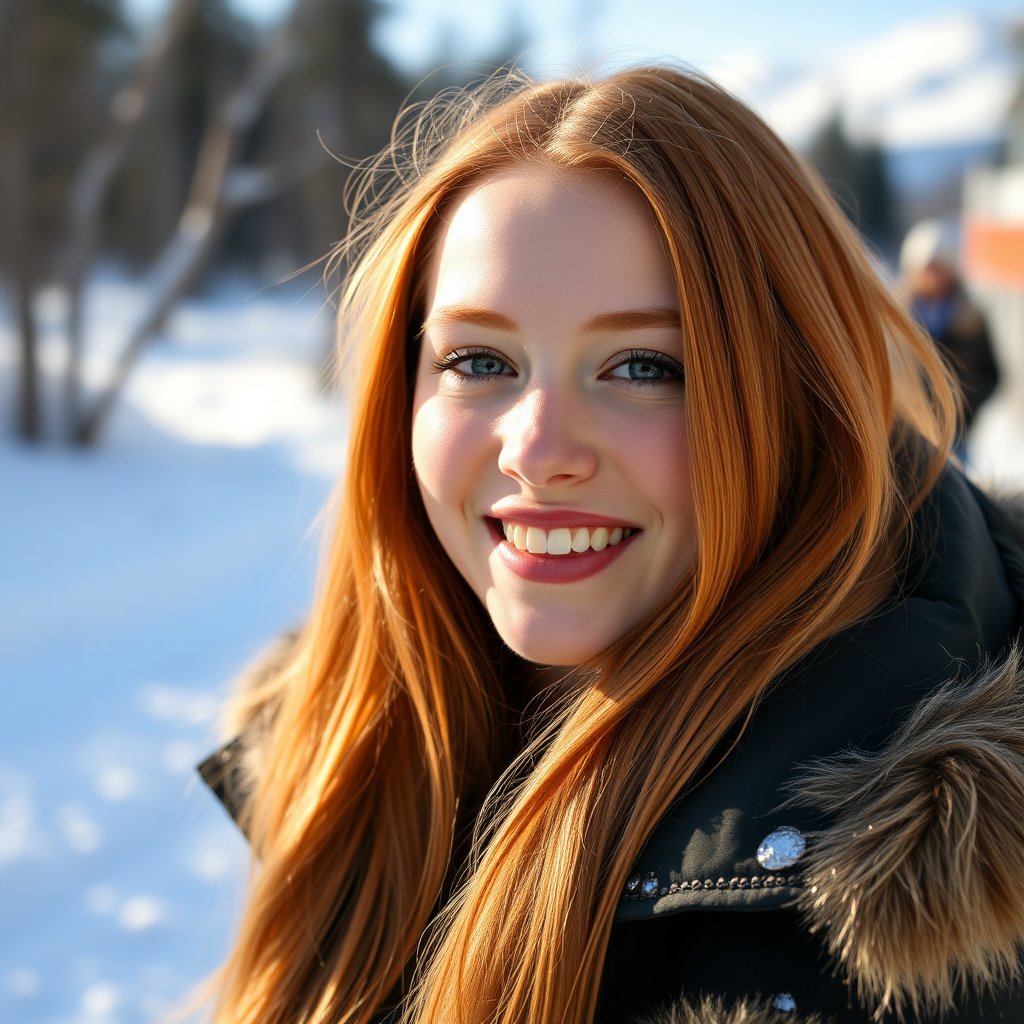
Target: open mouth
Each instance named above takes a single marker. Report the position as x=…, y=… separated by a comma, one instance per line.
x=561, y=554
x=562, y=540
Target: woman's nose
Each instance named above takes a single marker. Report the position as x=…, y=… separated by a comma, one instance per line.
x=544, y=441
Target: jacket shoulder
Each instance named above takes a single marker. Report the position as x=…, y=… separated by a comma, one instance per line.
x=233, y=771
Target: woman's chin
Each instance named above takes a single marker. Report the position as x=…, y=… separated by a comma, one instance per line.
x=549, y=638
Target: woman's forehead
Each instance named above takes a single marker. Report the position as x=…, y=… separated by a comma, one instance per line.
x=537, y=235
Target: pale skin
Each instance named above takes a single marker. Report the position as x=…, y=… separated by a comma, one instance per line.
x=550, y=388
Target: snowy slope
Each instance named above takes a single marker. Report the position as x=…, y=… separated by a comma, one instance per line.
x=944, y=81
x=135, y=580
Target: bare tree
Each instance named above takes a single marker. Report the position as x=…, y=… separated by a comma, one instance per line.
x=17, y=230
x=130, y=104
x=221, y=185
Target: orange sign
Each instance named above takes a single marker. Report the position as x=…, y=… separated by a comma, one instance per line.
x=993, y=253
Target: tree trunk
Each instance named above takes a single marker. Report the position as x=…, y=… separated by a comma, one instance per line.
x=73, y=374
x=29, y=419
x=93, y=181
x=14, y=182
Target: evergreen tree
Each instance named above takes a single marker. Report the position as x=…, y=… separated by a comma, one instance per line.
x=856, y=175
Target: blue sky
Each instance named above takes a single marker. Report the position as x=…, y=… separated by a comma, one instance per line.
x=562, y=33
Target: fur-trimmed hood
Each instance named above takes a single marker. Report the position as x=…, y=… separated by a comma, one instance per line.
x=917, y=886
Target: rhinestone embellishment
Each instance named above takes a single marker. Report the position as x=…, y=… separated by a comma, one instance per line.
x=784, y=1002
x=649, y=886
x=781, y=848
x=635, y=890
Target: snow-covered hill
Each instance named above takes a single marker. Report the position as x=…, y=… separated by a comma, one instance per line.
x=940, y=82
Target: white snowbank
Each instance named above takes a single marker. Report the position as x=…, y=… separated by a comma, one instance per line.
x=137, y=579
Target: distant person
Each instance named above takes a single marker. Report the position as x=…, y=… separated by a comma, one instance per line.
x=928, y=269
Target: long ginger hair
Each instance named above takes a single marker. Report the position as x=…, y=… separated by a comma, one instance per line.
x=805, y=382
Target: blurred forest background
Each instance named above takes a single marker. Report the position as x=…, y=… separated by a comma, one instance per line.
x=207, y=141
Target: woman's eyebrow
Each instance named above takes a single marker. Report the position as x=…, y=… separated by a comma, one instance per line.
x=459, y=314
x=621, y=320
x=633, y=320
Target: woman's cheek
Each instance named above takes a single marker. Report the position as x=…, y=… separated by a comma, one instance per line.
x=653, y=455
x=443, y=452
x=450, y=456
x=669, y=467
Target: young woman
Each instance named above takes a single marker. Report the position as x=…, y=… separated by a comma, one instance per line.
x=660, y=663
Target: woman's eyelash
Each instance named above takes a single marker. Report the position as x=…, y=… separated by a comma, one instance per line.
x=663, y=362
x=460, y=355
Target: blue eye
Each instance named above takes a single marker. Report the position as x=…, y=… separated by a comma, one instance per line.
x=486, y=366
x=481, y=365
x=645, y=371
x=647, y=368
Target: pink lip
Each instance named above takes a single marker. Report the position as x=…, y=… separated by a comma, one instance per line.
x=557, y=568
x=553, y=518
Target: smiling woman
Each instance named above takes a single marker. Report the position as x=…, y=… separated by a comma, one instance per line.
x=548, y=420
x=648, y=505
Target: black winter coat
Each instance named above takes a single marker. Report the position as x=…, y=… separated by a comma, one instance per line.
x=860, y=850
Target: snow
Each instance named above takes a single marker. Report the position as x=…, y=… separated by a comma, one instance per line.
x=996, y=446
x=137, y=578
x=946, y=80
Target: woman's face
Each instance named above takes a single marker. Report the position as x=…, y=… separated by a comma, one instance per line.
x=549, y=417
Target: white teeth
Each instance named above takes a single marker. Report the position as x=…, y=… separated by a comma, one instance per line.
x=563, y=540
x=536, y=541
x=560, y=541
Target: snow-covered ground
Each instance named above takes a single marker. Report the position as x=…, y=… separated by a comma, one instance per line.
x=135, y=579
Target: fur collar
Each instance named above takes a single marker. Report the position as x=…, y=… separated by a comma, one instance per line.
x=917, y=886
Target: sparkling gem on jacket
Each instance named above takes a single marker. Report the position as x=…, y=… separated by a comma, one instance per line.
x=784, y=1002
x=781, y=848
x=649, y=886
x=633, y=886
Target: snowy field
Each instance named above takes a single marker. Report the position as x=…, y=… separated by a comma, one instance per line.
x=135, y=580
